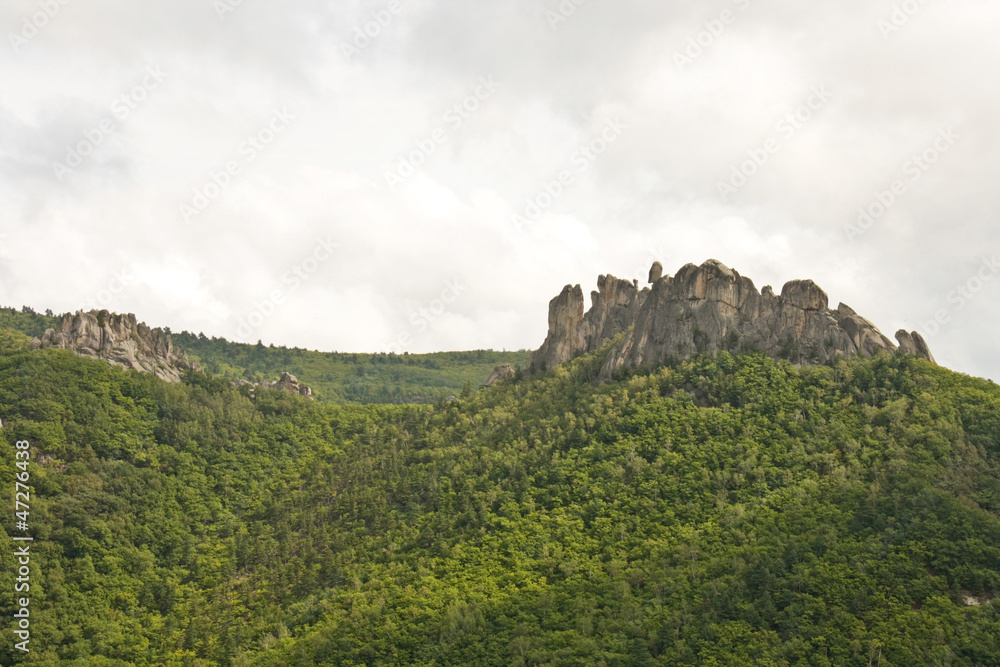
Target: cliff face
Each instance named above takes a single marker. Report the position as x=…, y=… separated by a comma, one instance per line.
x=616, y=305
x=119, y=340
x=709, y=308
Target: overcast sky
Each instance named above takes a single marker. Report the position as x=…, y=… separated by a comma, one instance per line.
x=425, y=175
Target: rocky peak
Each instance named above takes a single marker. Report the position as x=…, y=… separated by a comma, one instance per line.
x=708, y=308
x=805, y=294
x=119, y=340
x=572, y=332
x=655, y=272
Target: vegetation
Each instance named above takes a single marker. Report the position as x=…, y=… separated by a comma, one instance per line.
x=720, y=511
x=348, y=377
x=27, y=321
x=337, y=377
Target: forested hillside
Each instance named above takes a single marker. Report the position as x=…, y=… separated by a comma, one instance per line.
x=341, y=377
x=721, y=511
x=346, y=377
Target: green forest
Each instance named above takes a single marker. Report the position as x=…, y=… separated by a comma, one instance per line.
x=342, y=377
x=718, y=511
x=346, y=377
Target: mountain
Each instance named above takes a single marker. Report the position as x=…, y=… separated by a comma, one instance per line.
x=708, y=308
x=718, y=510
x=702, y=474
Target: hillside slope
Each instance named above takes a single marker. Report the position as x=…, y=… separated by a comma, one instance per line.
x=340, y=377
x=346, y=377
x=720, y=511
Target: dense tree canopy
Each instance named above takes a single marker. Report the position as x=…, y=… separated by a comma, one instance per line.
x=720, y=511
x=347, y=377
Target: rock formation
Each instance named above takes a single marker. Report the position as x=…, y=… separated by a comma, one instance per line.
x=286, y=382
x=500, y=373
x=655, y=272
x=708, y=308
x=615, y=307
x=119, y=340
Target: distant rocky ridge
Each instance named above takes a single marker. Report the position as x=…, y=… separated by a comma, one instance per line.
x=708, y=308
x=287, y=382
x=122, y=341
x=119, y=340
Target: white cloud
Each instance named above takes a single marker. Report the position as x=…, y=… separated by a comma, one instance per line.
x=652, y=194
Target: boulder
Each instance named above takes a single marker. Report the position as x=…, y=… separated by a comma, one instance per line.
x=913, y=343
x=805, y=294
x=286, y=382
x=499, y=374
x=655, y=272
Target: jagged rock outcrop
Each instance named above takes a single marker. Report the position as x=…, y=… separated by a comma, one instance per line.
x=500, y=373
x=709, y=308
x=290, y=383
x=655, y=272
x=615, y=307
x=119, y=340
x=913, y=343
x=286, y=382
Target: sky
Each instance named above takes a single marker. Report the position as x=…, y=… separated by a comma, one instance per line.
x=425, y=175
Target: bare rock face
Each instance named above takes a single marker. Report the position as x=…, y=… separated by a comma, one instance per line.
x=805, y=294
x=286, y=382
x=571, y=333
x=500, y=373
x=119, y=340
x=913, y=343
x=709, y=308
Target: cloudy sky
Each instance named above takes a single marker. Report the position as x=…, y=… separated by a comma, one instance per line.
x=425, y=175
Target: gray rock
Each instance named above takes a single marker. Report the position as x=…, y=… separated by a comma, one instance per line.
x=119, y=340
x=499, y=374
x=655, y=272
x=805, y=294
x=708, y=308
x=286, y=382
x=913, y=343
x=615, y=306
x=290, y=383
